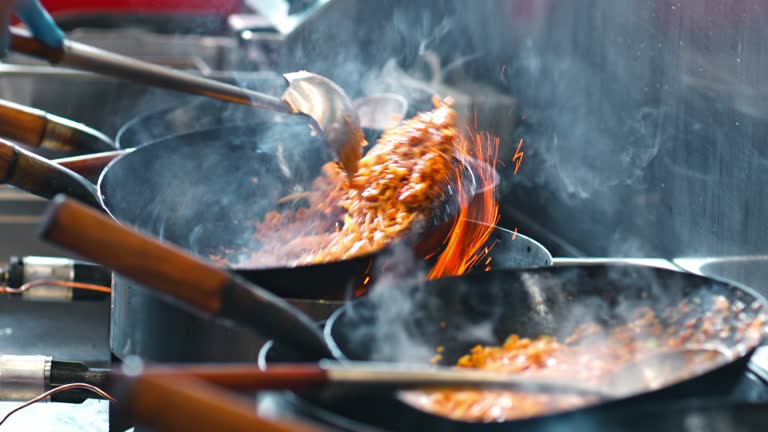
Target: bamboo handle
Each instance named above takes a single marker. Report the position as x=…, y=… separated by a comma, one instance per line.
x=90, y=166
x=245, y=377
x=186, y=404
x=150, y=262
x=39, y=176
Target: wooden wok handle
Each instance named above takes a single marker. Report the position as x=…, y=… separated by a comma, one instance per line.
x=37, y=128
x=185, y=404
x=39, y=176
x=246, y=377
x=90, y=166
x=139, y=257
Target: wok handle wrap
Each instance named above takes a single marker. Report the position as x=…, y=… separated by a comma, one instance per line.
x=39, y=176
x=90, y=166
x=150, y=262
x=247, y=377
x=37, y=128
x=186, y=404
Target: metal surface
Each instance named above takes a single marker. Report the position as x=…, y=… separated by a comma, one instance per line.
x=78, y=330
x=751, y=270
x=23, y=377
x=511, y=250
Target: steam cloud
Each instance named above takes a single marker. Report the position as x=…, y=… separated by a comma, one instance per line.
x=581, y=145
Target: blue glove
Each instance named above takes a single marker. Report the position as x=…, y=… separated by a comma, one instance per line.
x=36, y=19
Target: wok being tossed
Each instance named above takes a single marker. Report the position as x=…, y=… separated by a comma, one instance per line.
x=401, y=183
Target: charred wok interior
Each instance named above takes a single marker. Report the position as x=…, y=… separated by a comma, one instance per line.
x=608, y=129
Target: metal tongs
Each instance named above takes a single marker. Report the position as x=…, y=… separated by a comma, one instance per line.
x=308, y=94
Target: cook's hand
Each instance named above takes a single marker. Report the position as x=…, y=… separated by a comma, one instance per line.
x=36, y=19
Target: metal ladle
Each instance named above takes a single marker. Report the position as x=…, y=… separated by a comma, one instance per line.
x=308, y=94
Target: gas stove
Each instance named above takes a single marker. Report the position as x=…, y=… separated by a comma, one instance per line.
x=53, y=325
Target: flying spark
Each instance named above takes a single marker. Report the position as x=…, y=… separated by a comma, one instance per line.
x=514, y=233
x=518, y=158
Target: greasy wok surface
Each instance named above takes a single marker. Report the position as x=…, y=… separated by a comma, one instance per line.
x=406, y=322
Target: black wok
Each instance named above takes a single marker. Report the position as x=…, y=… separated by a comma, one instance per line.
x=549, y=301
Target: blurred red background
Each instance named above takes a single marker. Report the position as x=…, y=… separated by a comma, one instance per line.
x=207, y=7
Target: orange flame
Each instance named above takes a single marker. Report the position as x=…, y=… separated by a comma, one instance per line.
x=465, y=244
